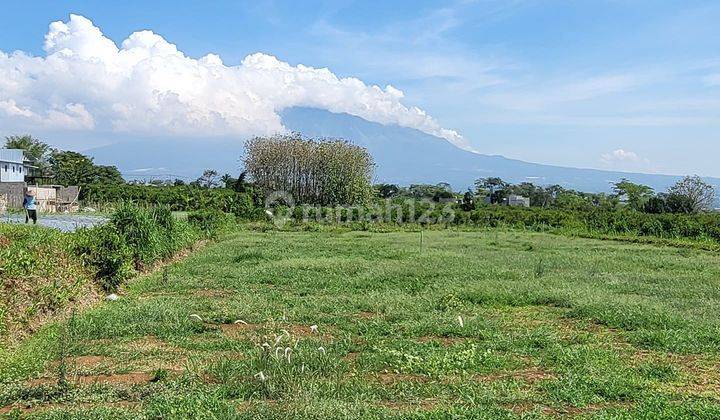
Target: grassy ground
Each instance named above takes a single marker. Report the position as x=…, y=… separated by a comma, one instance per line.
x=487, y=324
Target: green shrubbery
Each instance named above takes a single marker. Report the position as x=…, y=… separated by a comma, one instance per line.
x=37, y=274
x=136, y=237
x=43, y=269
x=106, y=253
x=209, y=222
x=177, y=198
x=594, y=221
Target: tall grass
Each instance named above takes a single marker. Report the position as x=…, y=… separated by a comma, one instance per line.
x=43, y=270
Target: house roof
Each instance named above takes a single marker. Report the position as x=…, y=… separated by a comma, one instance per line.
x=12, y=156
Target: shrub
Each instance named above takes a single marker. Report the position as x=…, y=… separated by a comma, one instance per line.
x=140, y=230
x=105, y=252
x=209, y=222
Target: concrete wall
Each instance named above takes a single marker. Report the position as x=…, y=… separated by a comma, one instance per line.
x=13, y=194
x=49, y=199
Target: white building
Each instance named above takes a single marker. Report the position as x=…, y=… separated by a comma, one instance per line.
x=12, y=165
x=518, y=201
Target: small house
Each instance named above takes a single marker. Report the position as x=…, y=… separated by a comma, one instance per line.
x=12, y=166
x=518, y=201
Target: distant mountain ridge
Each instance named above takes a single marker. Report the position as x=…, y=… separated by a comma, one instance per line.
x=402, y=155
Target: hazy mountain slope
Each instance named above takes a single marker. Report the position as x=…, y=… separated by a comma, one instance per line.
x=409, y=156
x=402, y=155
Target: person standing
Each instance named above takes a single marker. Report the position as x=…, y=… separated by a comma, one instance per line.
x=30, y=206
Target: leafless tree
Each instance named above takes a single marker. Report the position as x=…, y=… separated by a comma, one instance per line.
x=699, y=194
x=314, y=171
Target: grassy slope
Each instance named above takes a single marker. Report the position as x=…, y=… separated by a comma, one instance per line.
x=552, y=326
x=38, y=277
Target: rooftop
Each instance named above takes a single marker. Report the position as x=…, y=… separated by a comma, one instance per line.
x=11, y=155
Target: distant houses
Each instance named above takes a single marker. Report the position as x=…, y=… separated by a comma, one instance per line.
x=517, y=201
x=511, y=200
x=15, y=174
x=13, y=166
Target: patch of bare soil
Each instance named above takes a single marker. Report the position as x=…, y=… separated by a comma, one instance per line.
x=239, y=329
x=214, y=293
x=351, y=357
x=82, y=361
x=367, y=315
x=387, y=378
x=132, y=378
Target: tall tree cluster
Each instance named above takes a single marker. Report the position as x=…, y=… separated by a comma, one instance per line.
x=313, y=171
x=62, y=167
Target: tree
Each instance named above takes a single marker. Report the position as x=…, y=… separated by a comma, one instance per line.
x=699, y=194
x=312, y=171
x=493, y=187
x=468, y=201
x=387, y=190
x=35, y=150
x=73, y=168
x=636, y=194
x=208, y=179
x=240, y=183
x=228, y=181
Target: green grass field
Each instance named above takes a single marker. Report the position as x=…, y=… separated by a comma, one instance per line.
x=483, y=324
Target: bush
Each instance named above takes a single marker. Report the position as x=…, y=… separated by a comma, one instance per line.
x=38, y=274
x=141, y=232
x=209, y=222
x=106, y=253
x=176, y=198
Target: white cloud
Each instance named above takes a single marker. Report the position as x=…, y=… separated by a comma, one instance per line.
x=626, y=160
x=148, y=86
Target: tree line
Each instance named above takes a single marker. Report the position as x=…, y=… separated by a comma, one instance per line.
x=62, y=167
x=330, y=172
x=689, y=195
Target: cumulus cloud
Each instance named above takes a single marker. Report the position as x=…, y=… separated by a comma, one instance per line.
x=621, y=159
x=86, y=82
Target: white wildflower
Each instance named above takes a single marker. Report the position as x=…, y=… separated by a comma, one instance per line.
x=288, y=350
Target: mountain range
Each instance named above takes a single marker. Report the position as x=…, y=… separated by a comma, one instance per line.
x=402, y=155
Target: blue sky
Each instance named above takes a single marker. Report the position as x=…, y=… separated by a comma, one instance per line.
x=628, y=85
